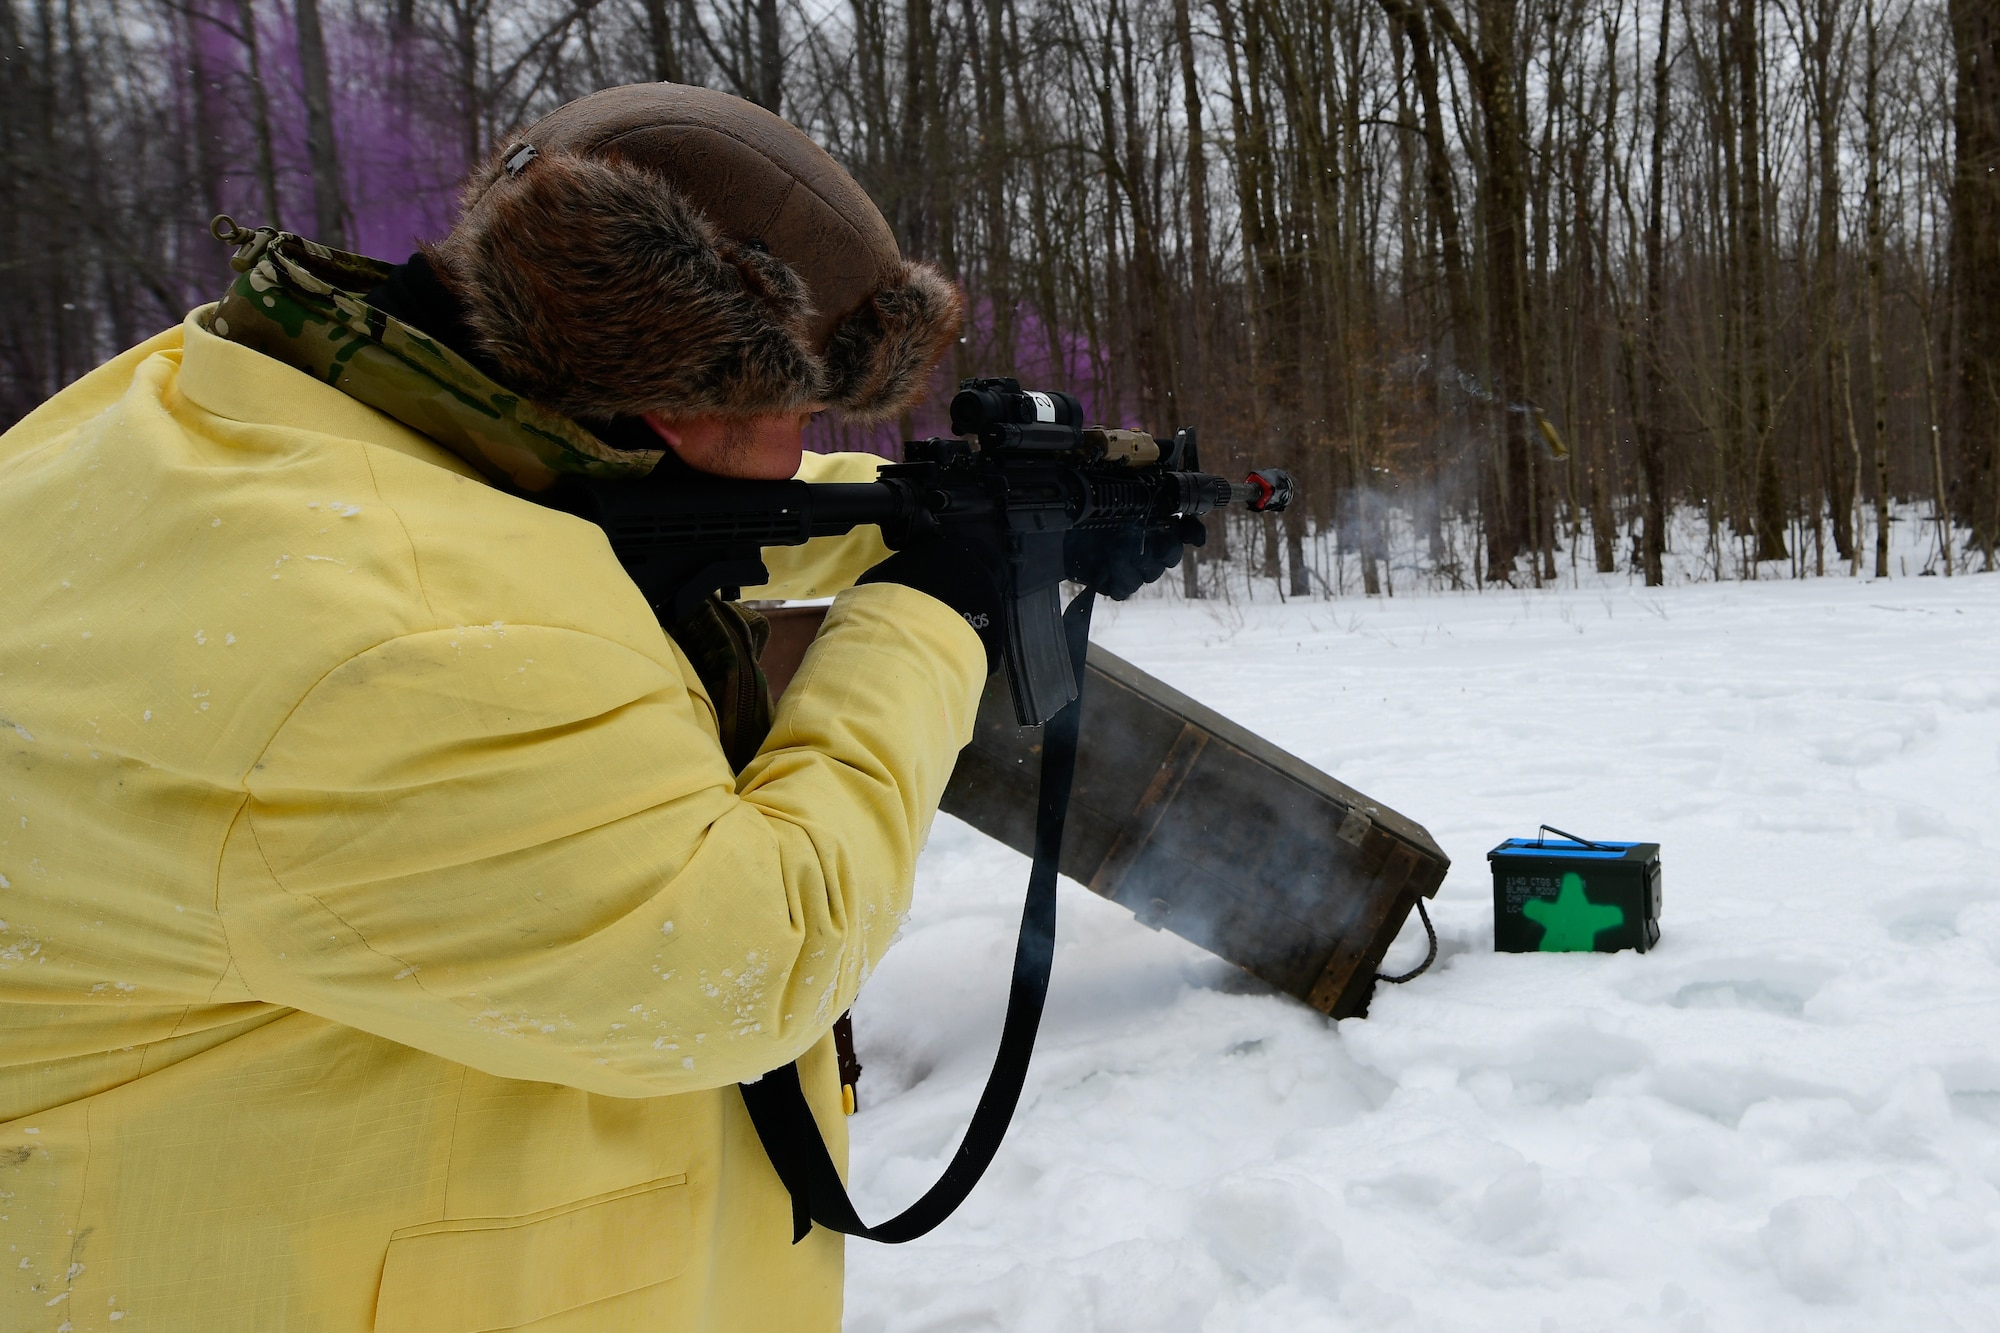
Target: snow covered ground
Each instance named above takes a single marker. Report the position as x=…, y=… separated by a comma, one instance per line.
x=1785, y=1117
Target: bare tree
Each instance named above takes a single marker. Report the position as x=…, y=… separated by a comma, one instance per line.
x=1878, y=389
x=1975, y=264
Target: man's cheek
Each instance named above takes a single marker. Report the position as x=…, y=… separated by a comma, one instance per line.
x=781, y=462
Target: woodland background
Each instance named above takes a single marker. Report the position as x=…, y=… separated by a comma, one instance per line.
x=1740, y=258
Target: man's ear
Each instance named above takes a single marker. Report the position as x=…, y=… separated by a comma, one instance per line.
x=664, y=427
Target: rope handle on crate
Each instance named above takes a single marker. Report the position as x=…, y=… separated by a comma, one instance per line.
x=1429, y=958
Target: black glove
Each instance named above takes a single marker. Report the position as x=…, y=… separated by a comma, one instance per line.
x=1120, y=561
x=962, y=572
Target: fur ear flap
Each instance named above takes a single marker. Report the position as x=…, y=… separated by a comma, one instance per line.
x=602, y=293
x=879, y=357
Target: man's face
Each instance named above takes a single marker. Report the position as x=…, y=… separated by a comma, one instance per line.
x=762, y=448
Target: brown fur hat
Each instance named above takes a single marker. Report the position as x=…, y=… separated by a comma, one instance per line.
x=675, y=249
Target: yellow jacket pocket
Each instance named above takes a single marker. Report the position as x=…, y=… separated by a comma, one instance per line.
x=468, y=1275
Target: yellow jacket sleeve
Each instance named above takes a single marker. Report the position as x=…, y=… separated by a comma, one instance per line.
x=824, y=565
x=520, y=848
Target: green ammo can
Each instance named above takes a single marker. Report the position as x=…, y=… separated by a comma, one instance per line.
x=1575, y=895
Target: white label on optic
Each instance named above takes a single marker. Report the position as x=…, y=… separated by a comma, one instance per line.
x=1045, y=406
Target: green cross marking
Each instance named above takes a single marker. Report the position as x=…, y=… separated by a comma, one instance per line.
x=1571, y=922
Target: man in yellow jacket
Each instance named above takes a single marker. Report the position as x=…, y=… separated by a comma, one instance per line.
x=383, y=928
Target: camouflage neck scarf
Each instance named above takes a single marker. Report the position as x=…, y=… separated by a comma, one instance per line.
x=302, y=303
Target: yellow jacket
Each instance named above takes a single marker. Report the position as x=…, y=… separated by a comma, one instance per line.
x=384, y=931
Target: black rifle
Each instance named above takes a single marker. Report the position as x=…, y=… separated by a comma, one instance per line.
x=1024, y=461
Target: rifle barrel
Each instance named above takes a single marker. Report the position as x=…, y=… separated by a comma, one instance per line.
x=841, y=506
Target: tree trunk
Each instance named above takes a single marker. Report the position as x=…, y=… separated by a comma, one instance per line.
x=1878, y=389
x=1827, y=79
x=1651, y=436
x=1975, y=266
x=1506, y=251
x=1503, y=190
x=205, y=129
x=465, y=47
x=659, y=42
x=1940, y=498
x=260, y=114
x=1731, y=393
x=329, y=204
x=1442, y=192
x=1252, y=176
x=911, y=199
x=1586, y=422
x=1197, y=194
x=990, y=73
x=1769, y=497
x=770, y=58
x=1150, y=333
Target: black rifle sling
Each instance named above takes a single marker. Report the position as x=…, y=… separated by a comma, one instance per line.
x=777, y=1104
